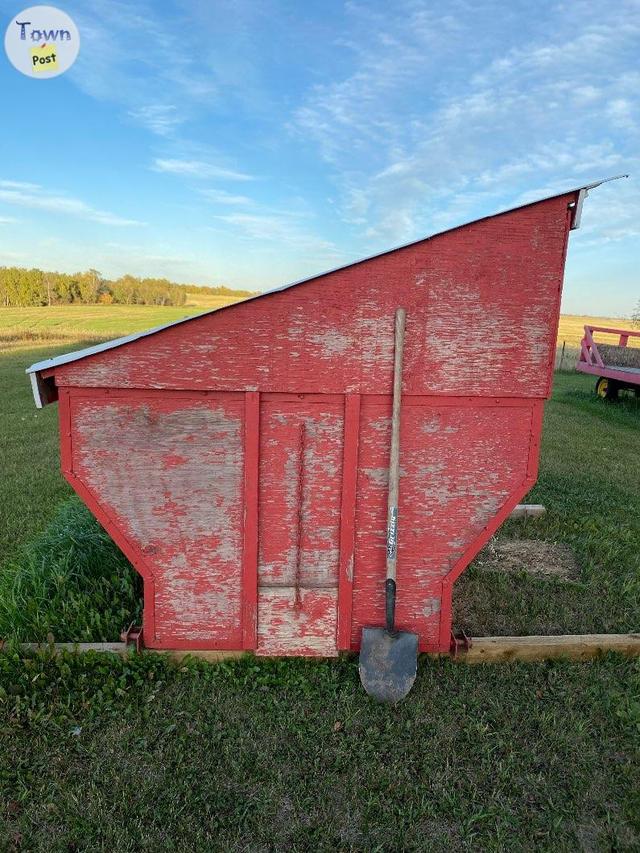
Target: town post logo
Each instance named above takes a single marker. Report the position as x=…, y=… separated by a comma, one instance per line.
x=42, y=42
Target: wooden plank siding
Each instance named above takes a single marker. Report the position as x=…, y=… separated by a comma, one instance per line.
x=240, y=459
x=482, y=303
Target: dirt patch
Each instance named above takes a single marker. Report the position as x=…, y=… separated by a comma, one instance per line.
x=534, y=556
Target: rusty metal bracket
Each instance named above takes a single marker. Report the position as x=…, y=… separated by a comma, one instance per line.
x=459, y=640
x=132, y=636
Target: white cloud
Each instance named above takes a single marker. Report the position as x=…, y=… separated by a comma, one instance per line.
x=7, y=220
x=130, y=54
x=412, y=150
x=198, y=169
x=18, y=185
x=223, y=197
x=57, y=204
x=161, y=119
x=621, y=112
x=281, y=233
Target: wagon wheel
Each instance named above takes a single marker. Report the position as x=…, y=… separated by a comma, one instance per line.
x=607, y=388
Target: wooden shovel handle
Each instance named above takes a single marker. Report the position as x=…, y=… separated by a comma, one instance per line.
x=394, y=459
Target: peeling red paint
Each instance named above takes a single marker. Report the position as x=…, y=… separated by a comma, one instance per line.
x=240, y=459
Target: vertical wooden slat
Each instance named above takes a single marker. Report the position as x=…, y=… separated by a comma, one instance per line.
x=348, y=512
x=250, y=547
x=64, y=419
x=537, y=412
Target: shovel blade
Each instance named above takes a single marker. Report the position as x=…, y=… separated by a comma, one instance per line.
x=388, y=663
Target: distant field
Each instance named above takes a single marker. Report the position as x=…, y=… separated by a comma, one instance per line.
x=572, y=326
x=206, y=301
x=68, y=322
x=60, y=322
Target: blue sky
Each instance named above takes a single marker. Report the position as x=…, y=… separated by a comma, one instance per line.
x=252, y=142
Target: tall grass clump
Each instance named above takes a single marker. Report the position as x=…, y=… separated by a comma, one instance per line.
x=71, y=582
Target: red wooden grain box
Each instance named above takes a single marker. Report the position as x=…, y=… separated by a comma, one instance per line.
x=239, y=458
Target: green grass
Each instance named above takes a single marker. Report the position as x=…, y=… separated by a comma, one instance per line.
x=31, y=486
x=102, y=753
x=127, y=755
x=590, y=484
x=70, y=582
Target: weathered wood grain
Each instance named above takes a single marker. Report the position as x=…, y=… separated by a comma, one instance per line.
x=570, y=646
x=169, y=471
x=577, y=647
x=528, y=511
x=347, y=518
x=301, y=450
x=241, y=458
x=297, y=621
x=482, y=302
x=458, y=467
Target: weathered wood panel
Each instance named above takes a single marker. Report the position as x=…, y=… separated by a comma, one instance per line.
x=297, y=621
x=301, y=449
x=569, y=646
x=483, y=649
x=459, y=465
x=169, y=472
x=250, y=525
x=482, y=303
x=217, y=447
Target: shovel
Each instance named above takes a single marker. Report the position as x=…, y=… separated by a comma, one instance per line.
x=389, y=658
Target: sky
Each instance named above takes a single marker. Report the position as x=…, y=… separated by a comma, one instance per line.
x=253, y=142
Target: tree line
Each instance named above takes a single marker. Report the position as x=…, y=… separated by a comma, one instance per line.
x=21, y=287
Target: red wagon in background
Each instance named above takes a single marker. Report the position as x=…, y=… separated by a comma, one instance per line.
x=239, y=458
x=617, y=366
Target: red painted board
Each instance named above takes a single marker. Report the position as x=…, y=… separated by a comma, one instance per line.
x=169, y=474
x=458, y=467
x=250, y=522
x=301, y=450
x=347, y=517
x=482, y=303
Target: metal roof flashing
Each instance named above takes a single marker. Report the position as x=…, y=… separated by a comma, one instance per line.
x=35, y=387
x=35, y=369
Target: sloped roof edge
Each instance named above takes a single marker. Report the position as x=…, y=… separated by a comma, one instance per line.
x=76, y=355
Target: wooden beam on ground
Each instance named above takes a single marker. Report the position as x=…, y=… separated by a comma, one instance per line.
x=528, y=511
x=482, y=650
x=211, y=655
x=570, y=646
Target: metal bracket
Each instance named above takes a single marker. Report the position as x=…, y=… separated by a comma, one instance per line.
x=459, y=641
x=577, y=209
x=132, y=636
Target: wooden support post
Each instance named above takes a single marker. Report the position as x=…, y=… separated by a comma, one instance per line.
x=250, y=544
x=347, y=516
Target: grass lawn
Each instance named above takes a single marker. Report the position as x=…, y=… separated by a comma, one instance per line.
x=31, y=486
x=102, y=753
